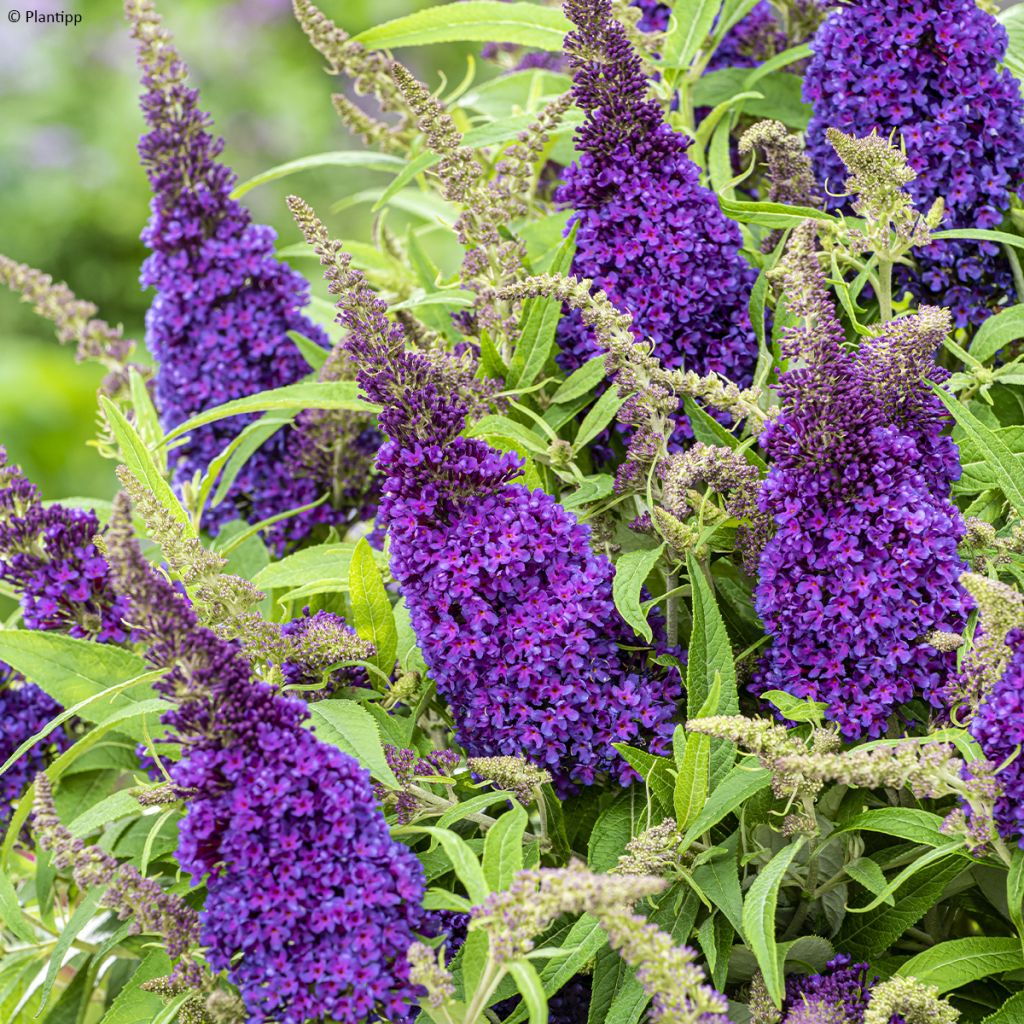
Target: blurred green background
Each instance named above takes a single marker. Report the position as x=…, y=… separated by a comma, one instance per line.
x=73, y=198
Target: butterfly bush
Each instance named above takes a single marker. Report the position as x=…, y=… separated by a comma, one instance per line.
x=930, y=71
x=463, y=780
x=512, y=608
x=224, y=304
x=864, y=560
x=310, y=904
x=648, y=233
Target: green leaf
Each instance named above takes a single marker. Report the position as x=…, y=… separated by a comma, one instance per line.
x=502, y=426
x=110, y=808
x=580, y=381
x=708, y=430
x=474, y=805
x=1011, y=1012
x=539, y=322
x=523, y=24
x=141, y=463
x=865, y=871
x=612, y=831
x=83, y=916
x=735, y=789
x=759, y=918
x=927, y=858
x=94, y=681
x=325, y=563
x=996, y=332
x=868, y=935
x=462, y=857
x=1015, y=891
x=133, y=1004
x=598, y=418
x=240, y=450
x=367, y=159
x=348, y=726
x=529, y=984
x=909, y=823
x=503, y=848
x=795, y=708
x=692, y=779
x=591, y=488
x=372, y=616
x=719, y=880
x=691, y=24
x=631, y=572
x=771, y=215
x=335, y=394
x=710, y=656
x=10, y=911
x=147, y=419
x=998, y=457
x=654, y=770
x=952, y=964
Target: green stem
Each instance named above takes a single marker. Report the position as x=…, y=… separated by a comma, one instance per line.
x=488, y=983
x=885, y=289
x=672, y=609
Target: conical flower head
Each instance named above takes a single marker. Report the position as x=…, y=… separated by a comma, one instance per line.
x=929, y=70
x=864, y=560
x=649, y=234
x=224, y=304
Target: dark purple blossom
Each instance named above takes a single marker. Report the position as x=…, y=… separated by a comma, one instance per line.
x=649, y=234
x=929, y=70
x=224, y=304
x=999, y=729
x=49, y=556
x=864, y=560
x=838, y=995
x=310, y=904
x=24, y=710
x=512, y=609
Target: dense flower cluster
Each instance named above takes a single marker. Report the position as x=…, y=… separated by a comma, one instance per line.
x=839, y=993
x=648, y=233
x=930, y=70
x=999, y=728
x=49, y=556
x=512, y=609
x=224, y=304
x=24, y=710
x=310, y=904
x=309, y=673
x=864, y=562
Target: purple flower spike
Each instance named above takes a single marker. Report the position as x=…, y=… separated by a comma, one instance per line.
x=929, y=70
x=224, y=304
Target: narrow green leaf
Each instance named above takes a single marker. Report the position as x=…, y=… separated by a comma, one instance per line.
x=732, y=792
x=529, y=984
x=83, y=916
x=503, y=848
x=952, y=964
x=95, y=681
x=10, y=911
x=759, y=917
x=580, y=381
x=691, y=24
x=474, y=805
x=1015, y=892
x=539, y=322
x=523, y=24
x=654, y=770
x=927, y=858
x=502, y=426
x=133, y=1004
x=462, y=857
x=794, y=708
x=719, y=880
x=147, y=419
x=590, y=489
x=110, y=808
x=710, y=657
x=141, y=463
x=1011, y=1012
x=365, y=158
x=692, y=779
x=335, y=394
x=870, y=875
x=348, y=726
x=598, y=418
x=909, y=823
x=631, y=572
x=322, y=563
x=372, y=616
x=998, y=457
x=996, y=332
